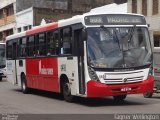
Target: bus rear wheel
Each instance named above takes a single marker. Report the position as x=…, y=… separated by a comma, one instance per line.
x=119, y=98
x=67, y=92
x=24, y=87
x=0, y=78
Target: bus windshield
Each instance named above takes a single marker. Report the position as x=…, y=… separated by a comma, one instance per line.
x=118, y=47
x=2, y=56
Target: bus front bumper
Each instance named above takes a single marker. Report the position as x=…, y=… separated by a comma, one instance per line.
x=96, y=89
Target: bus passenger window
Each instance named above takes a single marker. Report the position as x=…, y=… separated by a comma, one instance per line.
x=41, y=45
x=31, y=48
x=9, y=50
x=22, y=45
x=52, y=43
x=66, y=41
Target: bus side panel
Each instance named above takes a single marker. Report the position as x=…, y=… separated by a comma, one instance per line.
x=21, y=68
x=10, y=71
x=42, y=74
x=69, y=67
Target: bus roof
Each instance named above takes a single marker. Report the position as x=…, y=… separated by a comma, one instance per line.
x=17, y=35
x=42, y=28
x=60, y=23
x=91, y=13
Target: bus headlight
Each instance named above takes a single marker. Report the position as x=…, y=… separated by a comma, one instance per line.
x=93, y=74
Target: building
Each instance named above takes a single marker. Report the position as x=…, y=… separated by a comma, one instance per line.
x=19, y=15
x=70, y=5
x=51, y=4
x=151, y=9
x=7, y=18
x=33, y=16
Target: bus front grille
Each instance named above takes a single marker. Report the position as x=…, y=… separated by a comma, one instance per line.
x=123, y=80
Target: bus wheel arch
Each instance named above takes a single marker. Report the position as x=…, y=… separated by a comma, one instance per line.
x=24, y=87
x=66, y=88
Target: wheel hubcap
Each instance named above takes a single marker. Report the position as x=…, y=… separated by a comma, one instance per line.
x=23, y=86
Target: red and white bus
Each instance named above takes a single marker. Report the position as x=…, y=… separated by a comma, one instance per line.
x=91, y=55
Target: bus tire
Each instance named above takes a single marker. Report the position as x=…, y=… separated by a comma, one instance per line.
x=0, y=78
x=24, y=87
x=119, y=98
x=148, y=95
x=67, y=92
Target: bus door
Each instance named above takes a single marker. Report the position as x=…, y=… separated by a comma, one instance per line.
x=156, y=66
x=79, y=49
x=14, y=50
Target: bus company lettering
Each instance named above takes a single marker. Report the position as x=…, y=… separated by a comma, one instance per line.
x=117, y=20
x=45, y=71
x=123, y=20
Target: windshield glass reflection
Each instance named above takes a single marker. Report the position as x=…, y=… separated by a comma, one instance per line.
x=118, y=47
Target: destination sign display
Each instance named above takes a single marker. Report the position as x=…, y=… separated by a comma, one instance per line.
x=113, y=19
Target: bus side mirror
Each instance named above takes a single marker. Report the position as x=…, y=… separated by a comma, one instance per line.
x=84, y=35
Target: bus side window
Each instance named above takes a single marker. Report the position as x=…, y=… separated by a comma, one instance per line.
x=30, y=46
x=66, y=41
x=9, y=50
x=56, y=44
x=52, y=42
x=40, y=45
x=22, y=46
x=49, y=42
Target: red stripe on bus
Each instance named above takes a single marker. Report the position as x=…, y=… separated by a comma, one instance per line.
x=42, y=28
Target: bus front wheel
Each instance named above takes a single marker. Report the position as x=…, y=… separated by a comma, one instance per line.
x=147, y=95
x=67, y=92
x=24, y=87
x=119, y=98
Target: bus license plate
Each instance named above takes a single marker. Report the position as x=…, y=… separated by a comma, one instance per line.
x=126, y=89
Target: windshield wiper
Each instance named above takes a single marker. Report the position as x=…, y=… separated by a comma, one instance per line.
x=117, y=39
x=128, y=38
x=131, y=33
x=116, y=36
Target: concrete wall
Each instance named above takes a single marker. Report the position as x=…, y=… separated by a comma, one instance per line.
x=47, y=14
x=4, y=3
x=52, y=4
x=24, y=18
x=87, y=5
x=71, y=5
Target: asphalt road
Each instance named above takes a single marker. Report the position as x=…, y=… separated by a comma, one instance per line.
x=12, y=100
